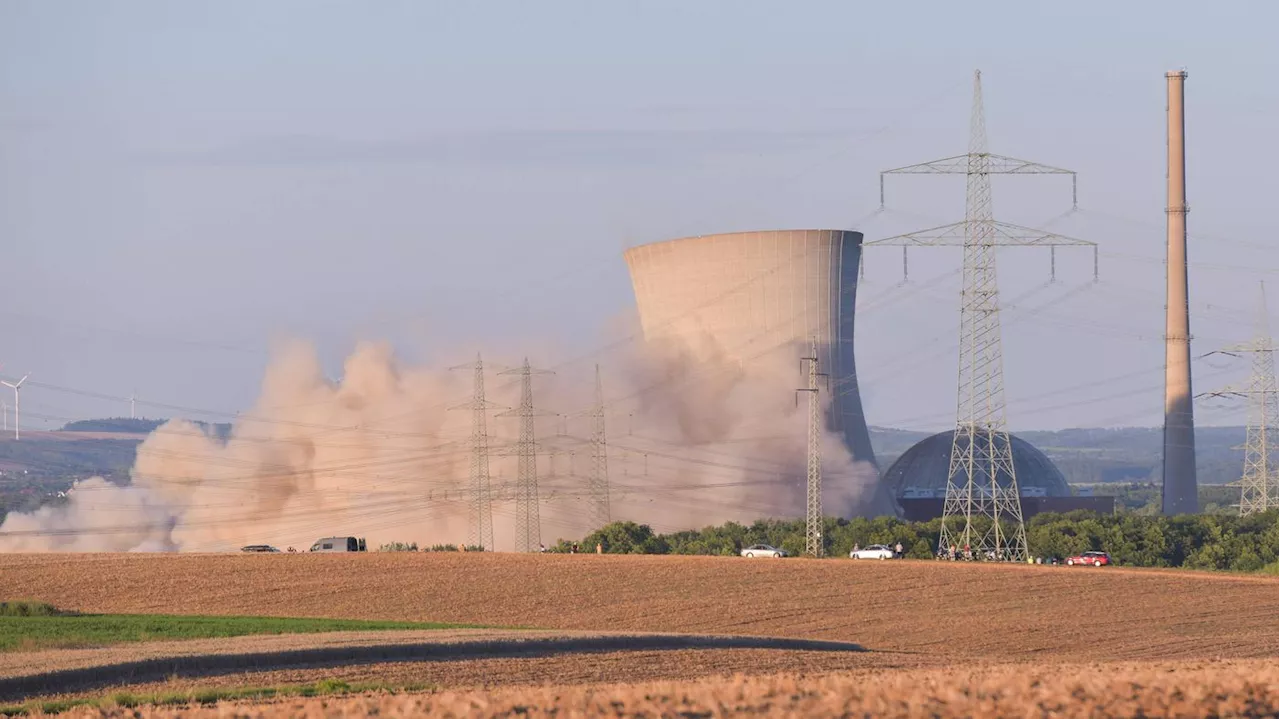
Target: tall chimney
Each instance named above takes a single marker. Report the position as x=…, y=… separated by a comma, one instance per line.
x=1179, y=492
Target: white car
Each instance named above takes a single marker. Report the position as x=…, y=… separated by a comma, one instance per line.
x=875, y=551
x=763, y=550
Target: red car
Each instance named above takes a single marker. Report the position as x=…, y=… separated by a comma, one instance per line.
x=1097, y=559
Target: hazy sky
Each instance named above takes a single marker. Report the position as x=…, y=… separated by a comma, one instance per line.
x=182, y=182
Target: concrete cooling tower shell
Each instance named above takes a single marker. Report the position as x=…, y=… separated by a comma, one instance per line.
x=751, y=292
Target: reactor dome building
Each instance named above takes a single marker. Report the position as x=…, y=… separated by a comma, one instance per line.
x=751, y=290
x=921, y=471
x=918, y=481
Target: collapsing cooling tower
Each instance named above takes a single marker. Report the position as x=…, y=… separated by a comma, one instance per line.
x=751, y=291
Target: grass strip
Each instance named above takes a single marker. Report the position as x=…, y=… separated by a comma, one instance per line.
x=50, y=629
x=211, y=695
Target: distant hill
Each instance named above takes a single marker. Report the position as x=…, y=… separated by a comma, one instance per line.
x=1103, y=455
x=113, y=424
x=37, y=467
x=130, y=425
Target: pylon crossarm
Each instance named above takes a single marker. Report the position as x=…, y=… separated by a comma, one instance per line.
x=992, y=165
x=1226, y=393
x=957, y=165
x=943, y=235
x=1010, y=234
x=1004, y=234
x=1004, y=165
x=997, y=165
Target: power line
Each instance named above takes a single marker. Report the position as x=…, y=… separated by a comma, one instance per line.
x=528, y=523
x=981, y=452
x=480, y=525
x=813, y=484
x=1258, y=481
x=599, y=480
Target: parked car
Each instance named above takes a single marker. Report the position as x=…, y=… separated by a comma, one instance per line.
x=260, y=548
x=339, y=544
x=875, y=551
x=1097, y=559
x=763, y=550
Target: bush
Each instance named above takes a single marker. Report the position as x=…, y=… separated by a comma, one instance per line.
x=443, y=548
x=625, y=538
x=399, y=547
x=30, y=609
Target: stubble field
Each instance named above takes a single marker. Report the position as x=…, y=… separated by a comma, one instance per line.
x=915, y=620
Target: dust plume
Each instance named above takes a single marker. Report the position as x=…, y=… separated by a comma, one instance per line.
x=694, y=439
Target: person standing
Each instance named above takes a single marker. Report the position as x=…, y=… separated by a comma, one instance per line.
x=897, y=550
x=599, y=548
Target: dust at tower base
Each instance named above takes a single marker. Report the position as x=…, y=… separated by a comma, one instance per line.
x=743, y=296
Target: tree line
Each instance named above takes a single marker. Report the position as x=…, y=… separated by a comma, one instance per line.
x=1194, y=541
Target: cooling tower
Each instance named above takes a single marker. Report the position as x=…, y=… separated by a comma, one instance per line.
x=744, y=294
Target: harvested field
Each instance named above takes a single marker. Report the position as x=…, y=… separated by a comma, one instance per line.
x=898, y=606
x=1190, y=689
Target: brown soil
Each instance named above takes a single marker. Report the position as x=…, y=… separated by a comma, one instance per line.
x=996, y=612
x=1190, y=689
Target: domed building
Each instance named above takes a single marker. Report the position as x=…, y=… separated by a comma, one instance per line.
x=921, y=471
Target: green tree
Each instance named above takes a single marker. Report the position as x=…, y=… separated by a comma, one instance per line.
x=625, y=538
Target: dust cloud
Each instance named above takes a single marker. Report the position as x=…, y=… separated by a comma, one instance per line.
x=385, y=453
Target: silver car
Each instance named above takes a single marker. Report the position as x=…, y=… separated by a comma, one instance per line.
x=763, y=550
x=875, y=551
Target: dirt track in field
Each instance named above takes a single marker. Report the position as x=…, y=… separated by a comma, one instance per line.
x=1185, y=689
x=1000, y=613
x=324, y=652
x=19, y=663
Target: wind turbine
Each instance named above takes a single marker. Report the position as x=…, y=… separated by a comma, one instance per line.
x=16, y=386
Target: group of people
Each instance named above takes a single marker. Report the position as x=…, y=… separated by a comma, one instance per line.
x=573, y=548
x=966, y=554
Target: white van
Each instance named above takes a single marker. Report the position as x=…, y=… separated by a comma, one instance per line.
x=339, y=544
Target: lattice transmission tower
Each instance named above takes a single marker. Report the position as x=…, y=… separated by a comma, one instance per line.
x=528, y=522
x=480, y=519
x=1258, y=482
x=982, y=485
x=598, y=482
x=813, y=484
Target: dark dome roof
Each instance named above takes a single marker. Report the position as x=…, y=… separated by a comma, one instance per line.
x=924, y=467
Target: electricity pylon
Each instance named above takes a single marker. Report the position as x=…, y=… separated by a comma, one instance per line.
x=1258, y=481
x=981, y=482
x=598, y=483
x=480, y=519
x=528, y=522
x=813, y=485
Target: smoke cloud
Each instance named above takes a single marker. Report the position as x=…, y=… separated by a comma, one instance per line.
x=693, y=440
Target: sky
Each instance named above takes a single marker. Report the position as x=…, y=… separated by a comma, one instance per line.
x=184, y=184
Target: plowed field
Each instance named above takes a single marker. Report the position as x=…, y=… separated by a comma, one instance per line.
x=998, y=613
